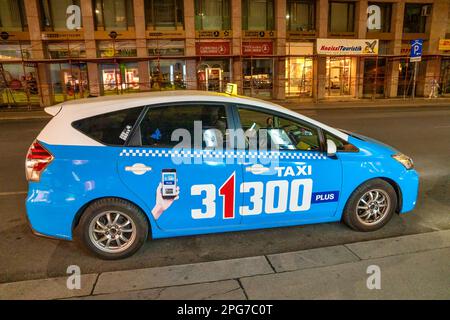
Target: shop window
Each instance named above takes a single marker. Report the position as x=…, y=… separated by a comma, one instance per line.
x=212, y=75
x=12, y=15
x=301, y=15
x=379, y=17
x=121, y=48
x=113, y=14
x=120, y=77
x=258, y=77
x=21, y=81
x=54, y=14
x=164, y=14
x=165, y=47
x=212, y=15
x=15, y=51
x=167, y=74
x=69, y=81
x=341, y=17
x=66, y=50
x=258, y=14
x=415, y=19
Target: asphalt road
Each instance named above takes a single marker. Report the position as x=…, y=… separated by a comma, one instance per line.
x=423, y=134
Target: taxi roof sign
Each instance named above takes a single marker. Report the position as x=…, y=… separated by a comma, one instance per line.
x=231, y=89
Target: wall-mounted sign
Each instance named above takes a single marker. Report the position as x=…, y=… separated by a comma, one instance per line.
x=166, y=34
x=62, y=35
x=373, y=17
x=259, y=34
x=118, y=35
x=347, y=47
x=221, y=48
x=444, y=44
x=73, y=21
x=257, y=48
x=213, y=34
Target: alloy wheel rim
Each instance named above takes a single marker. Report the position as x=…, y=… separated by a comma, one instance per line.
x=112, y=231
x=373, y=206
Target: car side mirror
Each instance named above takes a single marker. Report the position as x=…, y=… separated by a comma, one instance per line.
x=331, y=148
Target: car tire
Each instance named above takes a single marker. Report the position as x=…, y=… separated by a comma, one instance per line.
x=109, y=236
x=370, y=206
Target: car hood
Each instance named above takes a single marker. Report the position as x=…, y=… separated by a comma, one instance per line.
x=380, y=145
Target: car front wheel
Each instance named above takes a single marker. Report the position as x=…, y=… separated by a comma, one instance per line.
x=370, y=206
x=112, y=228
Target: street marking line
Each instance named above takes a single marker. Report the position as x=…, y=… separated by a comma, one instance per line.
x=12, y=193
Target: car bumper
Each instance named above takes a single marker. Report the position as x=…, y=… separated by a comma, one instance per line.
x=409, y=187
x=50, y=214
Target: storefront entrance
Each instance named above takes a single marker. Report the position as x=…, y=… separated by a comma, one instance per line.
x=299, y=77
x=258, y=77
x=445, y=76
x=339, y=76
x=212, y=75
x=374, y=77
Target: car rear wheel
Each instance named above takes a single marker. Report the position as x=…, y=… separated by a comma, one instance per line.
x=112, y=228
x=370, y=206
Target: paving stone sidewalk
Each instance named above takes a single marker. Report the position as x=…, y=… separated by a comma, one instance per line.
x=412, y=267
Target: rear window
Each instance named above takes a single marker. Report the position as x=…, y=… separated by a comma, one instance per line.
x=111, y=128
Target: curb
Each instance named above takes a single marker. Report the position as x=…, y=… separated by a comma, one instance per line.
x=223, y=276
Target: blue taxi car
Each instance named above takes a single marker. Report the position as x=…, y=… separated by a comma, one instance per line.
x=114, y=171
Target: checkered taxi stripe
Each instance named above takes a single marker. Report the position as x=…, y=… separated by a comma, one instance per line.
x=211, y=154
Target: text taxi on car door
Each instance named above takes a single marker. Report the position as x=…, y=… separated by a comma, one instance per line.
x=111, y=171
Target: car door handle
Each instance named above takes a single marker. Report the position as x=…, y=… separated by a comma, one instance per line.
x=138, y=168
x=257, y=169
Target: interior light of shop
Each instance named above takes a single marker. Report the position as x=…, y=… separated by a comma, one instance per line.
x=171, y=74
x=184, y=71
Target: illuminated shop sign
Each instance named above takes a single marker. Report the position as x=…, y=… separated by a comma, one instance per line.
x=257, y=48
x=212, y=48
x=347, y=46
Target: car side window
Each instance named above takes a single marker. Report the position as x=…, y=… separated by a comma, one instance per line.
x=159, y=123
x=110, y=128
x=341, y=145
x=286, y=133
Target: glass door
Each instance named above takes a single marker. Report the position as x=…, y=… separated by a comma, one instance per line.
x=338, y=77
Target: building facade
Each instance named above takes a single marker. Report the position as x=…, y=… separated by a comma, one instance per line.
x=57, y=50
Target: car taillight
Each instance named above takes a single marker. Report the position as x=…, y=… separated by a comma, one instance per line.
x=37, y=160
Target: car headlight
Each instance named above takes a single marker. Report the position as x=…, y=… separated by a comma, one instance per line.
x=404, y=160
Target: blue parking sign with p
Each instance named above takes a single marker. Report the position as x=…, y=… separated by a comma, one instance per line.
x=416, y=49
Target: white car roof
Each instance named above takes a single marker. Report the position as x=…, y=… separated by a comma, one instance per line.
x=59, y=130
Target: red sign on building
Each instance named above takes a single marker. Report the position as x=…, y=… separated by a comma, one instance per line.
x=212, y=48
x=257, y=48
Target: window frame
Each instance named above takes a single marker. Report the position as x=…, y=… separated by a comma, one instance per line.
x=228, y=112
x=150, y=14
x=237, y=120
x=246, y=7
x=310, y=3
x=349, y=4
x=102, y=26
x=426, y=21
x=198, y=8
x=384, y=6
